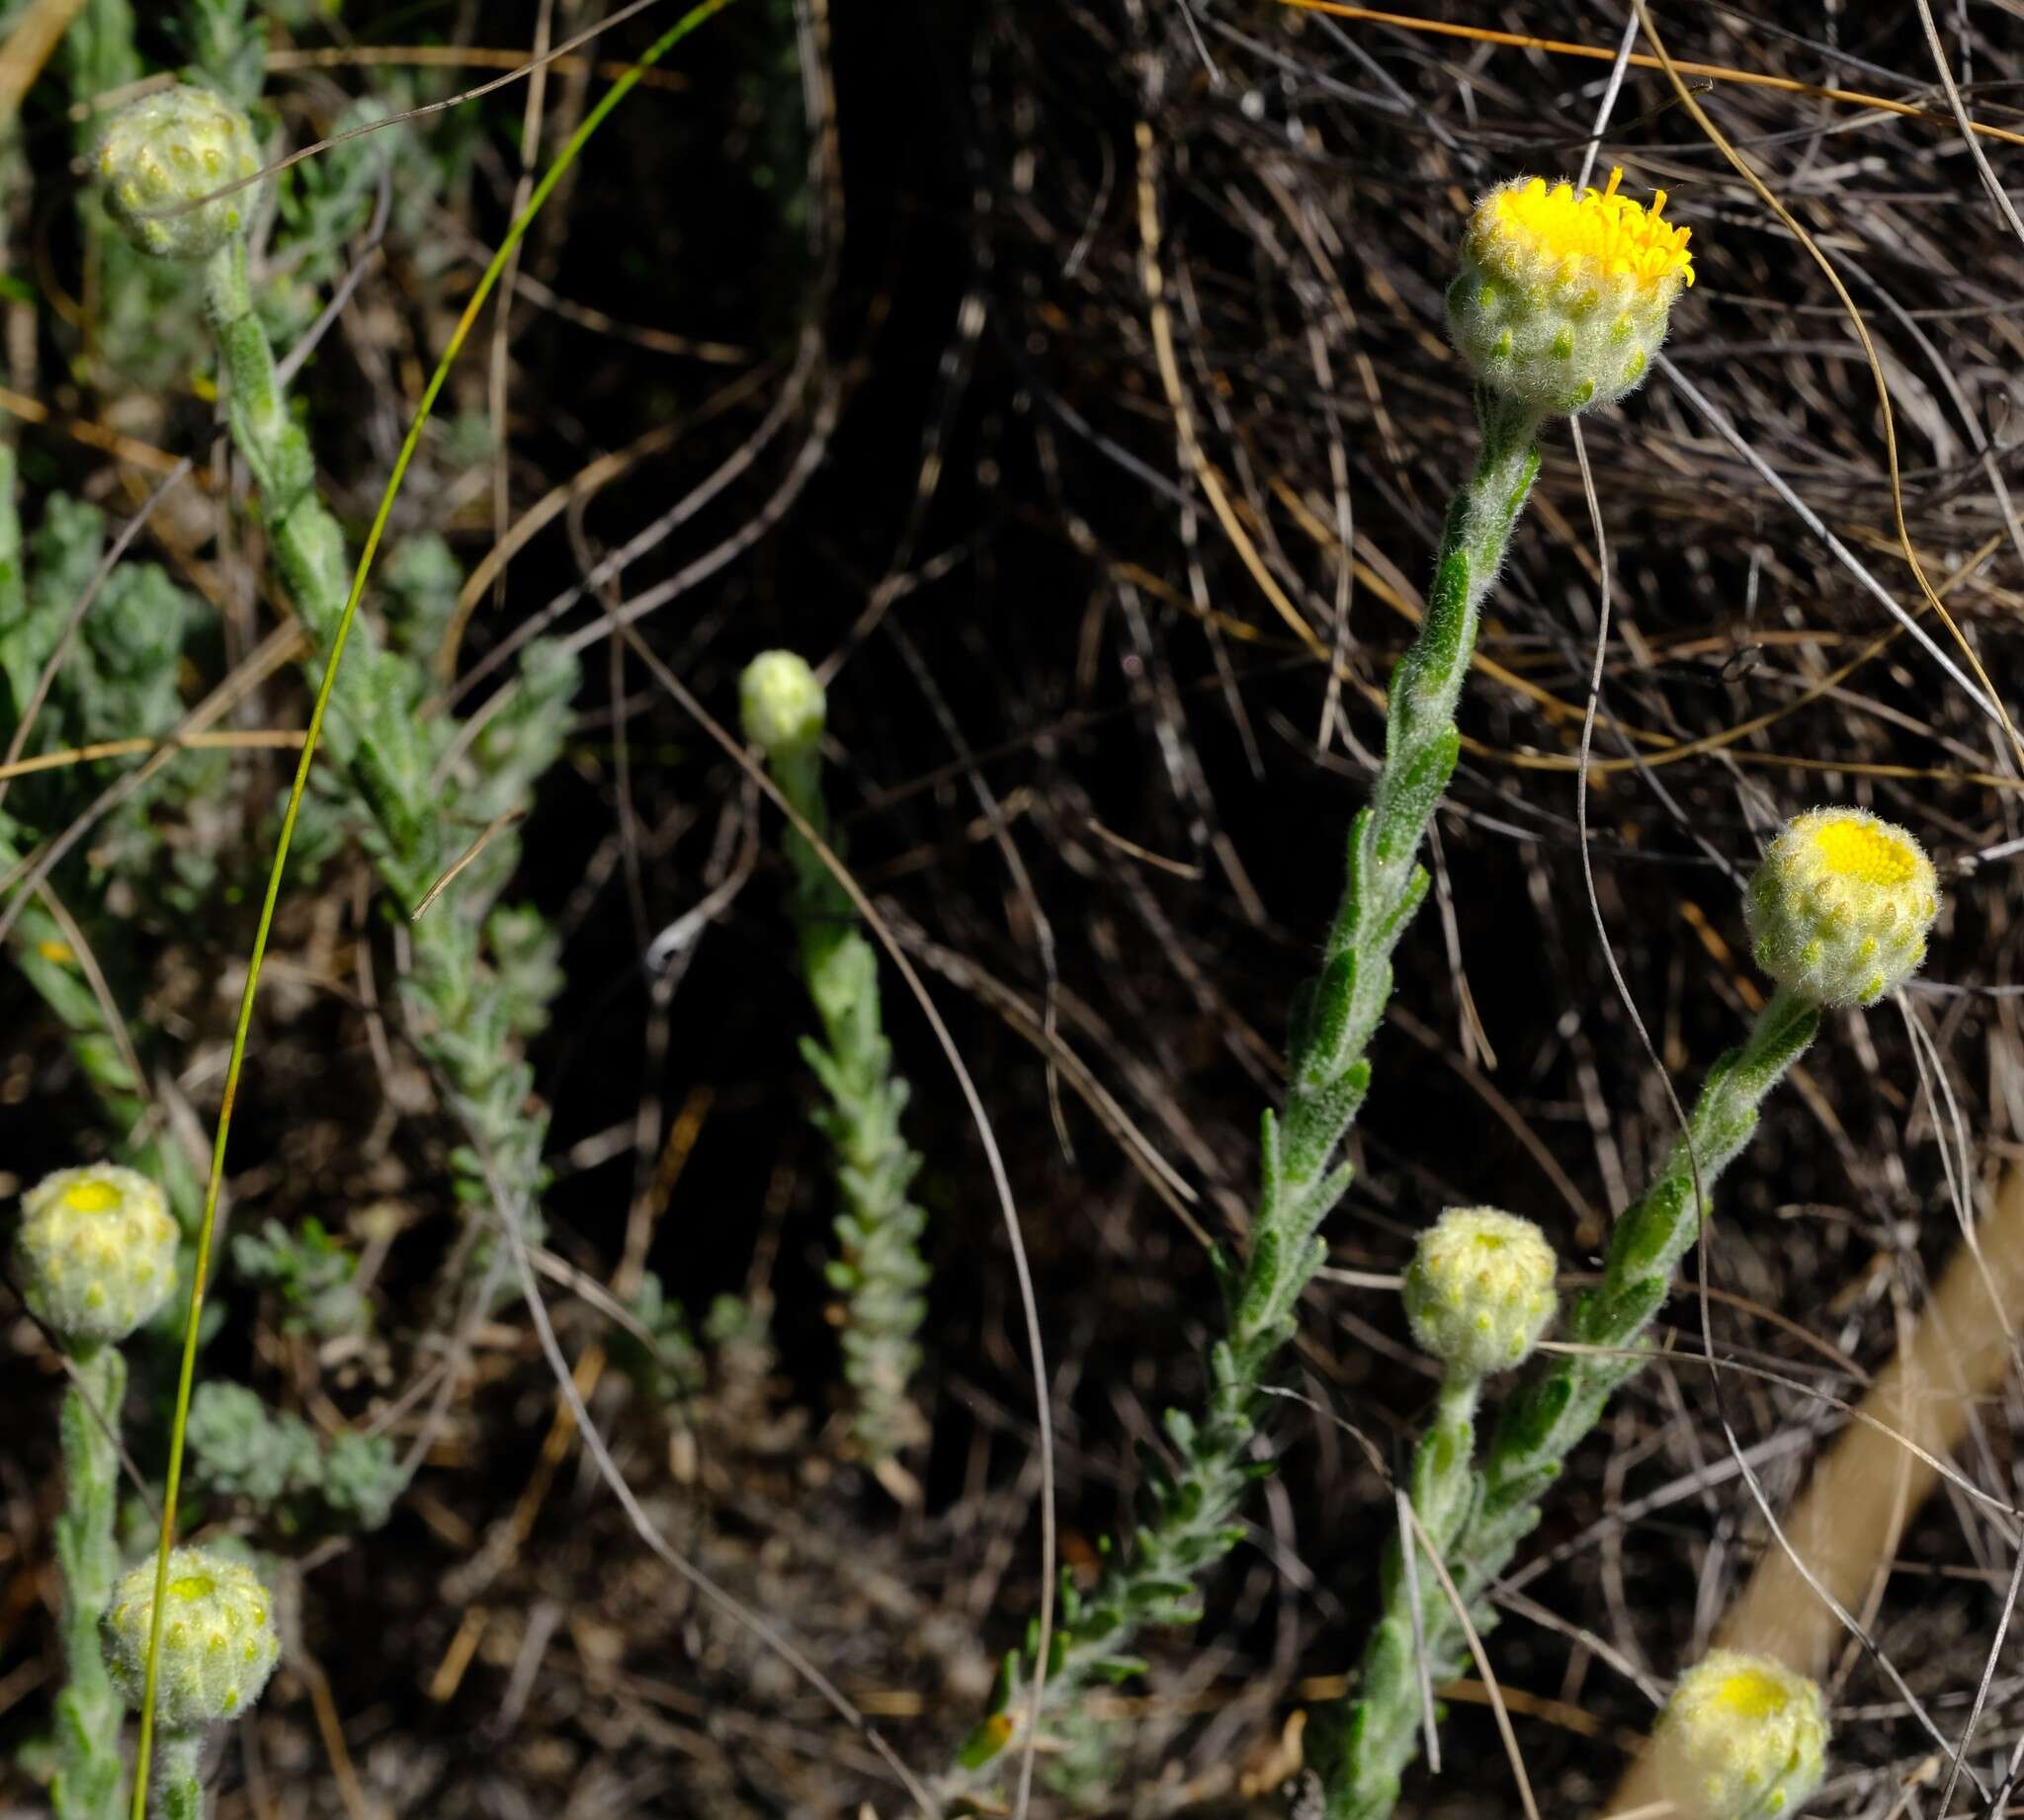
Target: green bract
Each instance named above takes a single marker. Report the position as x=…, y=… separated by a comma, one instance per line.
x=1743, y=1738
x=97, y=1251
x=169, y=150
x=1480, y=1292
x=1842, y=906
x=218, y=1645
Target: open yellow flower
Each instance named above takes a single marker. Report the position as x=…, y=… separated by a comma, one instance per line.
x=1563, y=297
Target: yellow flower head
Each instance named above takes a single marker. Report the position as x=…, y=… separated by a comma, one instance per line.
x=1842, y=906
x=97, y=1252
x=1479, y=1291
x=218, y=1642
x=1563, y=298
x=1743, y=1738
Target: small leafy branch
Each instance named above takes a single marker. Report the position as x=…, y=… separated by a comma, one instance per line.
x=1478, y=1517
x=118, y=680
x=418, y=809
x=1840, y=912
x=1190, y=1506
x=1544, y=332
x=879, y=1267
x=275, y=1461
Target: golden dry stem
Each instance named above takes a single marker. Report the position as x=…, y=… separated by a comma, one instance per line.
x=28, y=47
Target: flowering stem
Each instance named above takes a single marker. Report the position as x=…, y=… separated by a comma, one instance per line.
x=1443, y=1486
x=1375, y=1738
x=1190, y=1507
x=879, y=1265
x=464, y=1016
x=88, y=1711
x=384, y=752
x=179, y=1786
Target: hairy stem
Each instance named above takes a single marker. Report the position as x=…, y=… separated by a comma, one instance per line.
x=178, y=1782
x=1190, y=1507
x=464, y=1017
x=88, y=1711
x=1375, y=1736
x=879, y=1267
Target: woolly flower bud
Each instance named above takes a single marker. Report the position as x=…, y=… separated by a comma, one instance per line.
x=174, y=147
x=782, y=701
x=1563, y=299
x=1743, y=1738
x=1840, y=908
x=218, y=1645
x=1479, y=1291
x=97, y=1251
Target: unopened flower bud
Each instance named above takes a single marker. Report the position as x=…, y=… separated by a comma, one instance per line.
x=782, y=701
x=1840, y=909
x=219, y=1644
x=170, y=149
x=1743, y=1738
x=1479, y=1291
x=97, y=1252
x=1562, y=299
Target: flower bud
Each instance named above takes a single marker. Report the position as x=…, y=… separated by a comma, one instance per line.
x=782, y=701
x=1743, y=1738
x=97, y=1252
x=171, y=149
x=219, y=1644
x=1840, y=908
x=1479, y=1291
x=1562, y=299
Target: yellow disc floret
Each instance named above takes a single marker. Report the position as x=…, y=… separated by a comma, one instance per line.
x=1563, y=295
x=219, y=1644
x=97, y=1252
x=1842, y=906
x=1598, y=238
x=1479, y=1291
x=1743, y=1738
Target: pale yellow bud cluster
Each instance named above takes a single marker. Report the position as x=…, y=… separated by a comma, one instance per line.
x=1479, y=1291
x=172, y=149
x=219, y=1643
x=1743, y=1738
x=1563, y=295
x=97, y=1252
x=1842, y=906
x=782, y=701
